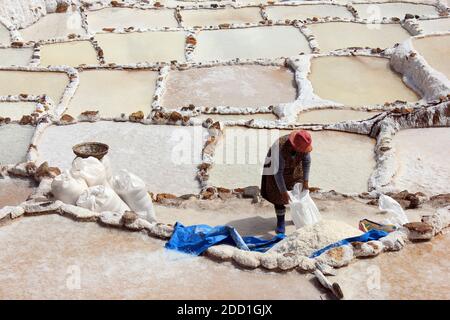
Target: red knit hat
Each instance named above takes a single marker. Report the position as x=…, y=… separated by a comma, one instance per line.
x=301, y=140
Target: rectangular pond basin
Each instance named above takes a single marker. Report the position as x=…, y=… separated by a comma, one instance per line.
x=302, y=12
x=236, y=86
x=14, y=191
x=113, y=92
x=68, y=53
x=339, y=35
x=130, y=17
x=5, y=38
x=436, y=51
x=15, y=110
x=250, y=43
x=357, y=81
x=14, y=142
x=165, y=157
x=15, y=57
x=422, y=157
x=435, y=25
x=52, y=84
x=143, y=47
x=54, y=25
x=376, y=11
x=329, y=116
x=215, y=17
x=340, y=161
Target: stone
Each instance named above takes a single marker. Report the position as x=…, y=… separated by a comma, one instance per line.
x=62, y=7
x=129, y=217
x=44, y=171
x=11, y=212
x=112, y=219
x=40, y=208
x=161, y=197
x=419, y=231
x=221, y=252
x=137, y=116
x=394, y=241
x=247, y=259
x=79, y=213
x=337, y=257
x=269, y=261
x=66, y=119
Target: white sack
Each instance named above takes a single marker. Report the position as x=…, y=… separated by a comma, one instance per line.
x=67, y=188
x=389, y=205
x=134, y=192
x=100, y=199
x=303, y=209
x=107, y=165
x=91, y=170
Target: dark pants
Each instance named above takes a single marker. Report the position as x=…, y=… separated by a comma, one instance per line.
x=280, y=209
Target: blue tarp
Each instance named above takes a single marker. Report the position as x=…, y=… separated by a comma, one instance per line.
x=373, y=234
x=197, y=238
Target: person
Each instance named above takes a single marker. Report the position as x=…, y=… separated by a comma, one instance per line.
x=288, y=162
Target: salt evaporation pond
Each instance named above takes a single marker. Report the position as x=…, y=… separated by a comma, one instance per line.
x=130, y=17
x=14, y=142
x=329, y=116
x=165, y=157
x=436, y=51
x=303, y=12
x=55, y=25
x=340, y=35
x=236, y=86
x=4, y=35
x=340, y=161
x=376, y=11
x=434, y=25
x=14, y=191
x=422, y=157
x=358, y=80
x=137, y=47
x=250, y=43
x=15, y=110
x=107, y=92
x=52, y=84
x=116, y=264
x=17, y=57
x=72, y=54
x=239, y=117
x=209, y=17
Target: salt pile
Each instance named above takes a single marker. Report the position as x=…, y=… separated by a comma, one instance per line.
x=306, y=240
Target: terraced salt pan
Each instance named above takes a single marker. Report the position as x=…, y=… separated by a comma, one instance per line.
x=116, y=264
x=130, y=17
x=68, y=53
x=17, y=57
x=14, y=191
x=236, y=86
x=340, y=161
x=376, y=11
x=113, y=92
x=250, y=43
x=281, y=13
x=142, y=47
x=436, y=51
x=52, y=84
x=339, y=35
x=55, y=25
x=422, y=157
x=330, y=116
x=208, y=17
x=15, y=110
x=165, y=157
x=14, y=142
x=435, y=25
x=358, y=80
x=4, y=35
x=239, y=117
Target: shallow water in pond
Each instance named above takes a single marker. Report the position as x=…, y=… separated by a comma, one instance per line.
x=130, y=17
x=419, y=166
x=165, y=157
x=17, y=57
x=69, y=53
x=210, y=17
x=436, y=51
x=328, y=116
x=15, y=110
x=116, y=264
x=52, y=84
x=14, y=143
x=250, y=43
x=238, y=117
x=307, y=11
x=362, y=81
x=55, y=25
x=14, y=191
x=435, y=25
x=340, y=161
x=4, y=35
x=107, y=92
x=236, y=86
x=376, y=11
x=340, y=35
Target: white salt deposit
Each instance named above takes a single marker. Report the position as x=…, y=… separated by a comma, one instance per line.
x=328, y=116
x=15, y=110
x=281, y=13
x=18, y=57
x=68, y=53
x=208, y=17
x=4, y=35
x=14, y=142
x=376, y=11
x=14, y=191
x=434, y=25
x=435, y=50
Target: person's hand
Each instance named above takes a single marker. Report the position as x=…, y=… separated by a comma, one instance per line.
x=285, y=197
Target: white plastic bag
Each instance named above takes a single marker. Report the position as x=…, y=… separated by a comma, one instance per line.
x=91, y=170
x=67, y=188
x=134, y=192
x=392, y=207
x=107, y=165
x=303, y=209
x=100, y=199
